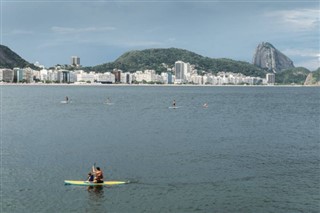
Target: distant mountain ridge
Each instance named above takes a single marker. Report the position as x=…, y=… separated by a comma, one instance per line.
x=159, y=59
x=9, y=59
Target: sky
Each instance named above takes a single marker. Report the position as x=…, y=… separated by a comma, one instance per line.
x=51, y=31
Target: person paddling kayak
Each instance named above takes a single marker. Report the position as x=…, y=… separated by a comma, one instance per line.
x=98, y=174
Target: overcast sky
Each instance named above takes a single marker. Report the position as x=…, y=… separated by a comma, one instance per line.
x=100, y=31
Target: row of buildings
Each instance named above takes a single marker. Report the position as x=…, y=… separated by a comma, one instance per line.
x=181, y=73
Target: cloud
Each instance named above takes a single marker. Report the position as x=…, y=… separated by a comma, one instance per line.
x=302, y=52
x=311, y=64
x=123, y=43
x=298, y=20
x=20, y=32
x=169, y=40
x=70, y=30
x=309, y=58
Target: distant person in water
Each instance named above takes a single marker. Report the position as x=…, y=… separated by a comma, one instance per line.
x=67, y=98
x=90, y=177
x=205, y=105
x=98, y=174
x=174, y=103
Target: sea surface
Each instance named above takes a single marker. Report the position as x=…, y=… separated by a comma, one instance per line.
x=253, y=149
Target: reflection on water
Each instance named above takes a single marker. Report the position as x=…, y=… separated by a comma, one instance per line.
x=95, y=199
x=95, y=192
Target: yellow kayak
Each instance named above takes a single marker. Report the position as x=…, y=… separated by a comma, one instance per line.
x=87, y=183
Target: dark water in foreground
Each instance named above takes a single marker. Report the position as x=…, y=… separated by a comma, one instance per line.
x=254, y=149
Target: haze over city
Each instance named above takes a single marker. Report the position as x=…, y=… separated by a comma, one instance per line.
x=100, y=31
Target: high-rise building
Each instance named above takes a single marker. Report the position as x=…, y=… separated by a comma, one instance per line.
x=179, y=68
x=170, y=78
x=75, y=61
x=117, y=74
x=6, y=75
x=270, y=78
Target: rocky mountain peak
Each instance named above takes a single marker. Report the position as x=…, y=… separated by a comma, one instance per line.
x=268, y=57
x=10, y=59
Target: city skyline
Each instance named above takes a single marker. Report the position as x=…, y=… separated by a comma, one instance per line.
x=100, y=31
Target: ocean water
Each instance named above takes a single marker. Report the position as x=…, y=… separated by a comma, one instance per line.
x=254, y=149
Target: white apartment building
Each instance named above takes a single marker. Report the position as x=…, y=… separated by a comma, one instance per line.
x=230, y=78
x=183, y=72
x=126, y=78
x=36, y=74
x=106, y=77
x=165, y=77
x=196, y=79
x=52, y=75
x=147, y=75
x=43, y=75
x=85, y=77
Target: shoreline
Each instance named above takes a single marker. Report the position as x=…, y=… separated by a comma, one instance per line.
x=147, y=85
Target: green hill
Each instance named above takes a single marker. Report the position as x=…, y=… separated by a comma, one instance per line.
x=296, y=75
x=313, y=78
x=316, y=75
x=158, y=59
x=9, y=59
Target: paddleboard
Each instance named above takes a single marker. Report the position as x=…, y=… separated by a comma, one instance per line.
x=65, y=102
x=172, y=107
x=87, y=183
x=108, y=103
